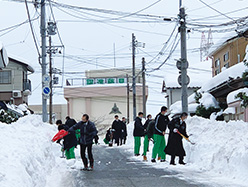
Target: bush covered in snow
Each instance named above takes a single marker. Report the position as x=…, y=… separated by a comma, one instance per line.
x=7, y=116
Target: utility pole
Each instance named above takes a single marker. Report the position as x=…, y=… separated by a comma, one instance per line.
x=134, y=78
x=127, y=98
x=43, y=56
x=184, y=62
x=144, y=86
x=114, y=55
x=51, y=82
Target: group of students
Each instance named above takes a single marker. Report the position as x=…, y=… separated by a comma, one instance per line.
x=154, y=130
x=117, y=132
x=82, y=133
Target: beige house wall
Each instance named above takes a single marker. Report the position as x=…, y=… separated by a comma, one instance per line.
x=234, y=47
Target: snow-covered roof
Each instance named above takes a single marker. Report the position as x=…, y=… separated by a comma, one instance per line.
x=233, y=72
x=224, y=40
x=231, y=96
x=21, y=61
x=198, y=73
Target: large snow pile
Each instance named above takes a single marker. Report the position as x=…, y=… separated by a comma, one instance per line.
x=27, y=155
x=206, y=100
x=218, y=157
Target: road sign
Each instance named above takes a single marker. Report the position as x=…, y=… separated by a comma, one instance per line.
x=46, y=78
x=180, y=80
x=46, y=91
x=179, y=64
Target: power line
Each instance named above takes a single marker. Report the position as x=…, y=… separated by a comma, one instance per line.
x=216, y=10
x=32, y=31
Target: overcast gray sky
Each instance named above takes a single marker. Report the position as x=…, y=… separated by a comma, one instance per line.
x=90, y=35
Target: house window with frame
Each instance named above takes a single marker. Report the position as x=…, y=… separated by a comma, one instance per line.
x=5, y=77
x=226, y=65
x=217, y=63
x=217, y=71
x=226, y=56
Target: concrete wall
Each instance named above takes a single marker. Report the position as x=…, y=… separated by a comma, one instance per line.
x=60, y=110
x=99, y=101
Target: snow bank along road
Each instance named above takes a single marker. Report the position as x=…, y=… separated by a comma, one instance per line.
x=113, y=167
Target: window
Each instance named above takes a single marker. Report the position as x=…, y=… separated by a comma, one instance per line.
x=217, y=72
x=5, y=77
x=217, y=63
x=226, y=56
x=226, y=65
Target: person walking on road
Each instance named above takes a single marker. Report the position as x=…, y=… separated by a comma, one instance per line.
x=88, y=132
x=146, y=141
x=161, y=122
x=175, y=143
x=124, y=130
x=117, y=126
x=138, y=132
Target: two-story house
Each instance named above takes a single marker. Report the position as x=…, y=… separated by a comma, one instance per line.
x=15, y=87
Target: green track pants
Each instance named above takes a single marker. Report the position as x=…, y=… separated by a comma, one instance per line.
x=146, y=145
x=69, y=153
x=137, y=143
x=159, y=146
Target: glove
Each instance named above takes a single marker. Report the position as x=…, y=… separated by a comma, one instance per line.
x=175, y=130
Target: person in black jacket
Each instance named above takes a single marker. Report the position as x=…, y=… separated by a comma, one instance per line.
x=117, y=126
x=161, y=122
x=175, y=143
x=88, y=132
x=146, y=140
x=124, y=130
x=69, y=121
x=138, y=132
x=70, y=141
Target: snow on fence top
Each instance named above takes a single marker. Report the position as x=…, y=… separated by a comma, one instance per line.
x=231, y=96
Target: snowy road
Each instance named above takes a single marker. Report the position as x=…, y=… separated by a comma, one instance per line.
x=113, y=167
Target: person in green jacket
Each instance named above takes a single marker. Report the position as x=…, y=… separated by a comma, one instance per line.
x=161, y=122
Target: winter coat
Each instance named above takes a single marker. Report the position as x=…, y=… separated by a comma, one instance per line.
x=70, y=122
x=87, y=131
x=124, y=130
x=146, y=126
x=151, y=129
x=117, y=126
x=175, y=143
x=70, y=140
x=138, y=127
x=161, y=122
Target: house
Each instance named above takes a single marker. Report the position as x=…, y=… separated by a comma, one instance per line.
x=103, y=94
x=15, y=87
x=230, y=51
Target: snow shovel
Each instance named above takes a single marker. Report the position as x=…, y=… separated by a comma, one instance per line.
x=185, y=138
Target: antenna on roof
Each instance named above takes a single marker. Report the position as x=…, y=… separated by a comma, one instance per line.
x=205, y=45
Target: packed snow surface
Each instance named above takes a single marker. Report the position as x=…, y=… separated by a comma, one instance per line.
x=219, y=157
